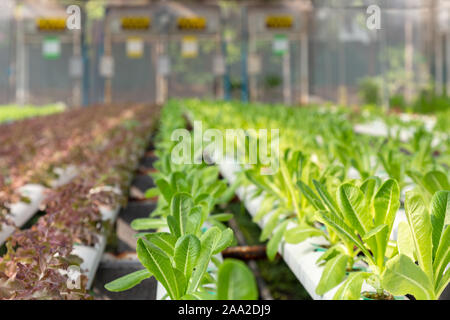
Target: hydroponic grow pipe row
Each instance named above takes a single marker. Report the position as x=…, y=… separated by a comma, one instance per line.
x=379, y=129
x=21, y=212
x=182, y=254
x=31, y=148
x=74, y=225
x=42, y=153
x=438, y=178
x=36, y=150
x=301, y=258
x=92, y=254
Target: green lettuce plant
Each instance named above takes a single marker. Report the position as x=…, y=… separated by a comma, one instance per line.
x=282, y=198
x=429, y=183
x=368, y=215
x=184, y=254
x=341, y=254
x=421, y=267
x=393, y=163
x=331, y=178
x=362, y=216
x=201, y=182
x=235, y=281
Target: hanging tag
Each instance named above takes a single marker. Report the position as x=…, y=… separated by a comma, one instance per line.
x=76, y=67
x=189, y=47
x=107, y=67
x=163, y=65
x=219, y=65
x=135, y=48
x=51, y=48
x=280, y=44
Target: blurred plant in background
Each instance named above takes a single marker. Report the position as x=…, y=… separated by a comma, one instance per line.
x=14, y=112
x=397, y=79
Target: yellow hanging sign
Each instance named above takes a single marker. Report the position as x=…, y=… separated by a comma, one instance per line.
x=279, y=22
x=51, y=24
x=191, y=23
x=135, y=23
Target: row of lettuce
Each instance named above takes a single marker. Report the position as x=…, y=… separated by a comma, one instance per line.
x=183, y=254
x=330, y=182
x=37, y=258
x=10, y=113
x=33, y=150
x=313, y=190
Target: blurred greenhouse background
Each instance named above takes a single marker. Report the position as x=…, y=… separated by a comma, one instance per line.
x=321, y=50
x=134, y=145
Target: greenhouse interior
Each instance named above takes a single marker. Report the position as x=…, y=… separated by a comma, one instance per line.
x=225, y=150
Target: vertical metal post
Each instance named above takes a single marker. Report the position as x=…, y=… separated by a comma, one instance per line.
x=329, y=81
x=76, y=90
x=226, y=77
x=441, y=26
x=161, y=50
x=165, y=78
x=342, y=95
x=252, y=76
x=433, y=39
x=244, y=49
x=439, y=64
x=447, y=61
x=218, y=78
x=219, y=88
x=409, y=57
x=85, y=59
x=287, y=87
x=159, y=80
x=99, y=55
x=304, y=67
x=21, y=60
x=107, y=47
x=385, y=89
x=11, y=54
